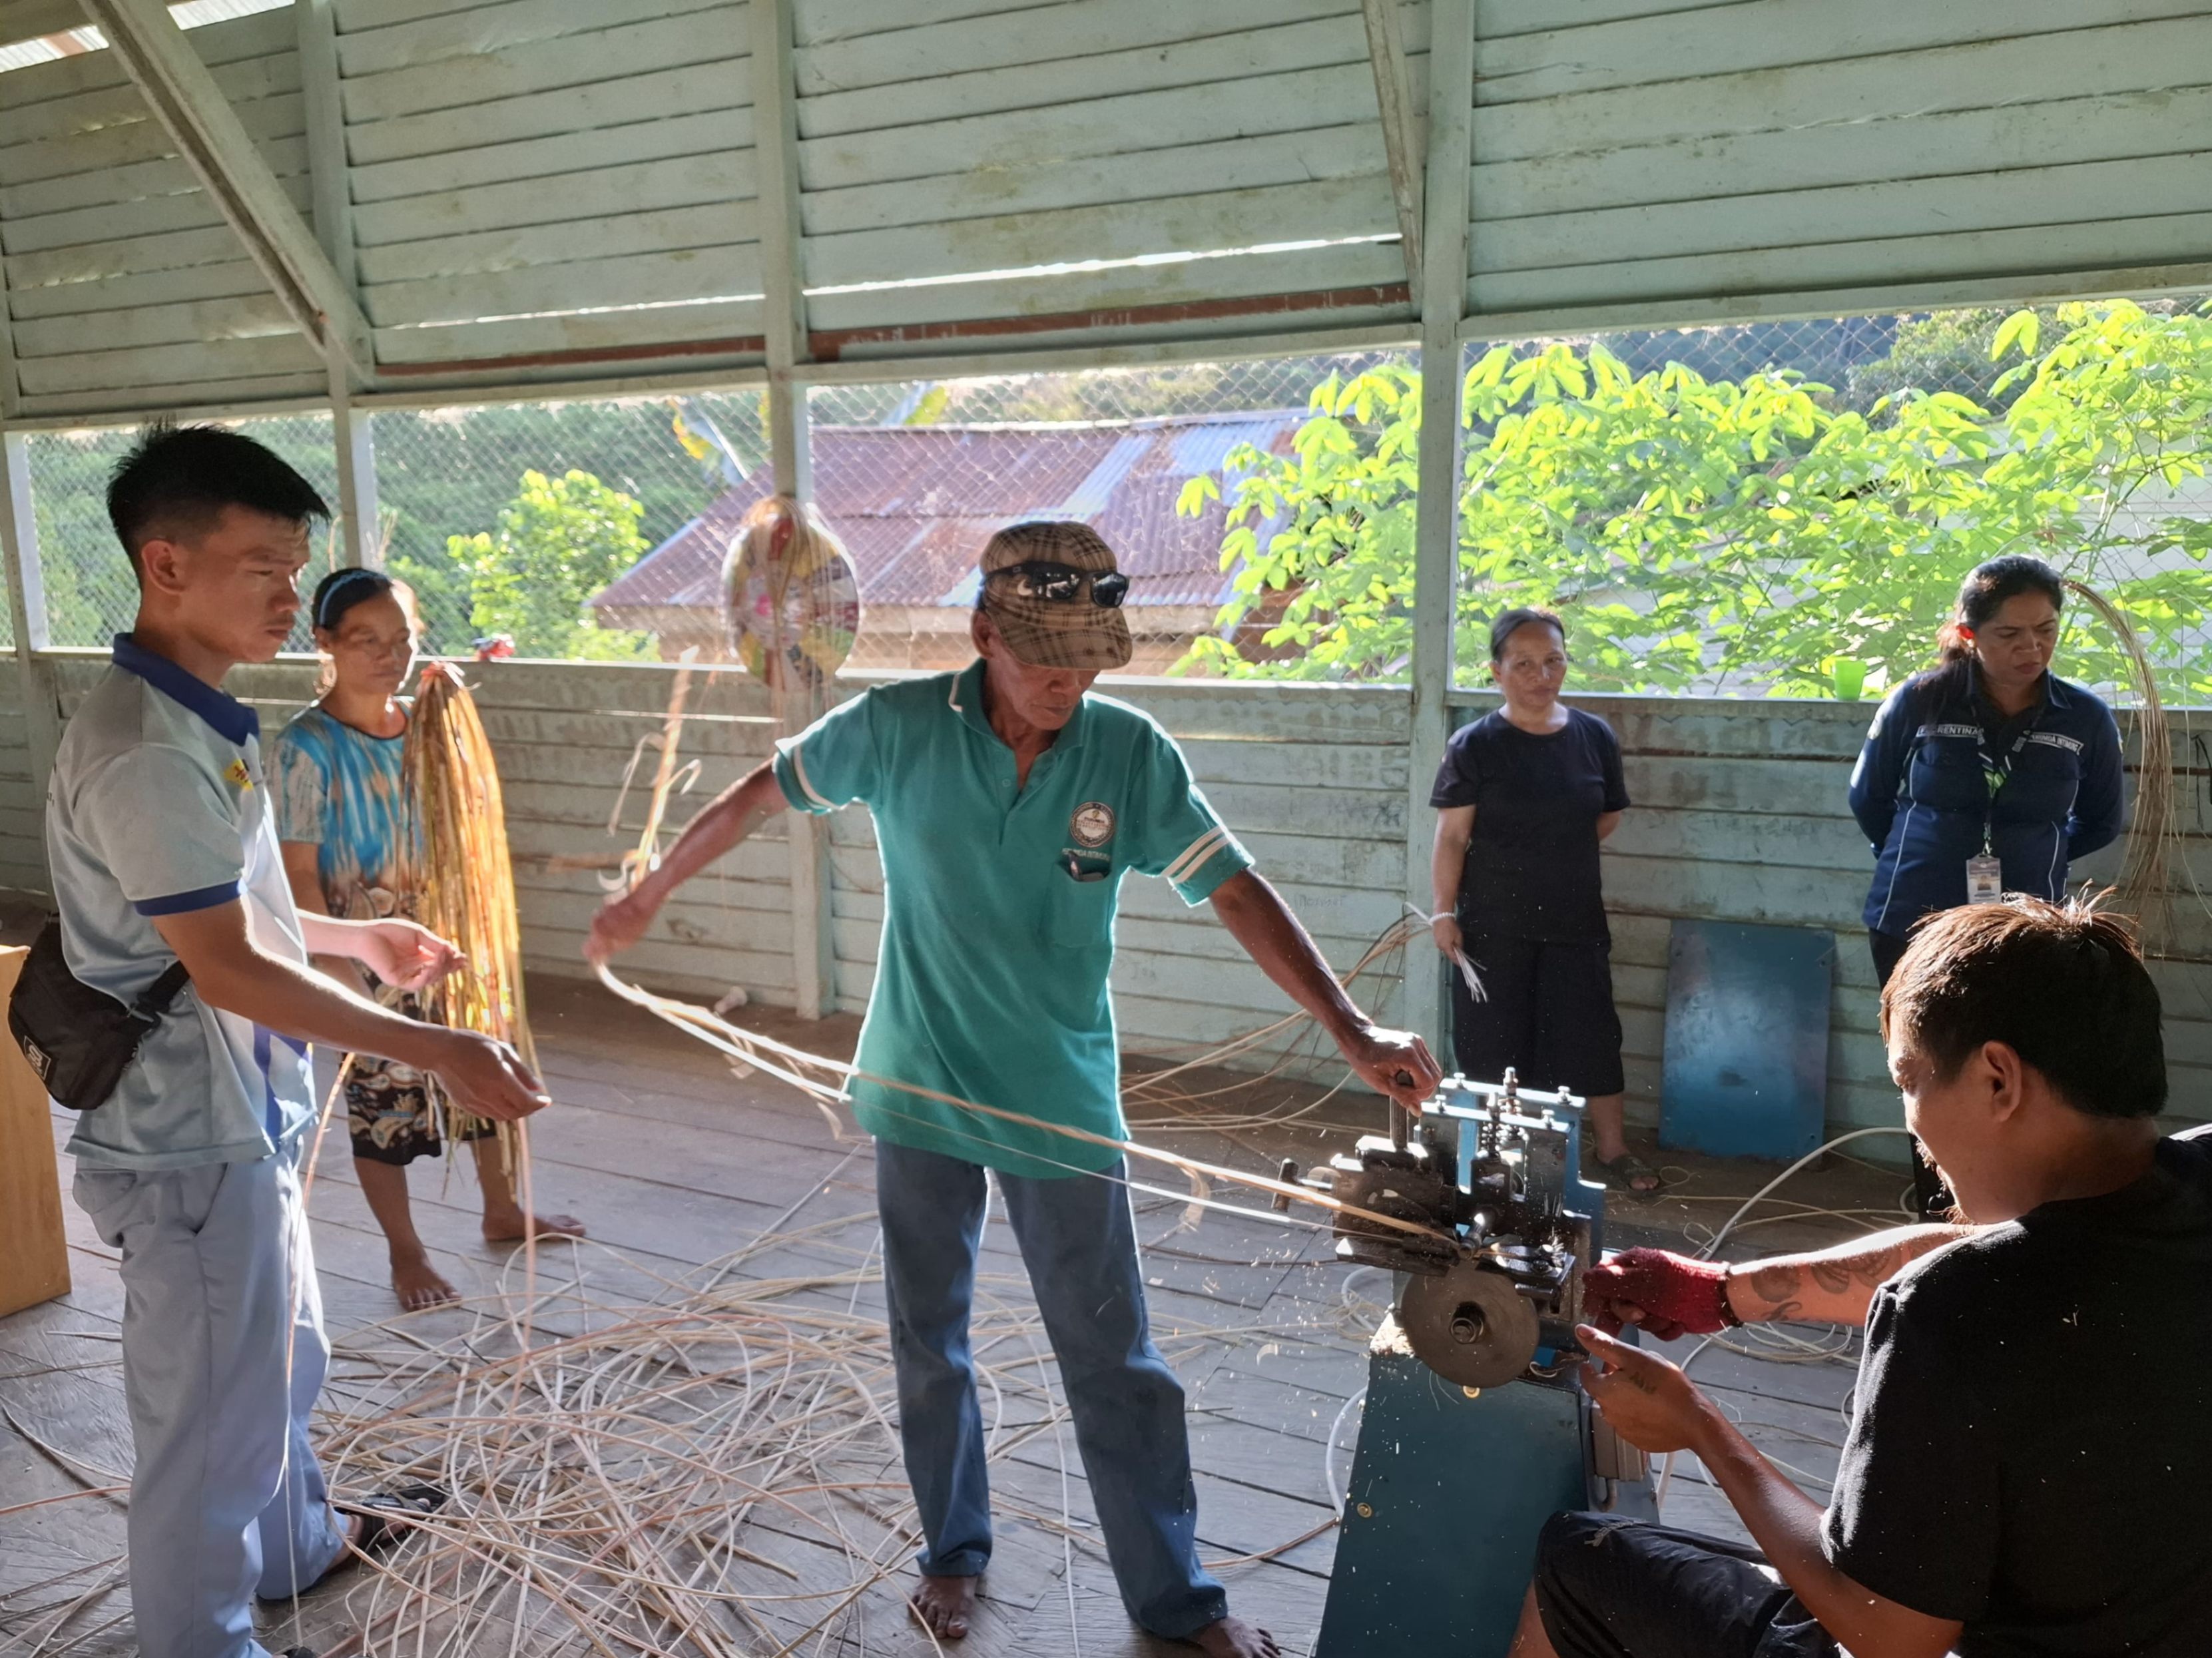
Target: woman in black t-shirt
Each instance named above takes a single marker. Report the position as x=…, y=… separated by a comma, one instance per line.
x=1523, y=798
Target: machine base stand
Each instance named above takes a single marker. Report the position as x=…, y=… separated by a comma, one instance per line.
x=1448, y=1493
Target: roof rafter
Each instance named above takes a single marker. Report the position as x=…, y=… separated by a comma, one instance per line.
x=207, y=132
x=1402, y=136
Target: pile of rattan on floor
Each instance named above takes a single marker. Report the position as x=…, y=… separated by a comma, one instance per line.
x=709, y=1466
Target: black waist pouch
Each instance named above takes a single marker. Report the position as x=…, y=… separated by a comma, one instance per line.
x=80, y=1040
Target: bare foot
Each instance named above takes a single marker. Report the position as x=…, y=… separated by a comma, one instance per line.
x=945, y=1605
x=419, y=1285
x=1232, y=1638
x=508, y=1227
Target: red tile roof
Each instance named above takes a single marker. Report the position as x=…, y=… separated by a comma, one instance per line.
x=915, y=505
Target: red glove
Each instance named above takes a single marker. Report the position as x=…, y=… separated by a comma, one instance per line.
x=1667, y=1293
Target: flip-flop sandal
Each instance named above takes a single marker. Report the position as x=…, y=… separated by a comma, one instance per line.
x=399, y=1507
x=380, y=1532
x=1625, y=1170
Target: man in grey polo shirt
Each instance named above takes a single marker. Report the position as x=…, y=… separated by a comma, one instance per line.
x=162, y=851
x=1009, y=804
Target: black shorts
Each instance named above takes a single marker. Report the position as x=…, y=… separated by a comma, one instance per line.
x=1608, y=1587
x=1547, y=1010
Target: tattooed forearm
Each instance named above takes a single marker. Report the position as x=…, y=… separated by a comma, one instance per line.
x=1774, y=1293
x=1834, y=1276
x=1872, y=1270
x=1834, y=1285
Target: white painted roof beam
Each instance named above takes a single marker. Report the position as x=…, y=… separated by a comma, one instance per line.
x=207, y=132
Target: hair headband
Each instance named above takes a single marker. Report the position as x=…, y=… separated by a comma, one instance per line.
x=343, y=581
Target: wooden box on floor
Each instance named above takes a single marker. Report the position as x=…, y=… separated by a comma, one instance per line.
x=33, y=1249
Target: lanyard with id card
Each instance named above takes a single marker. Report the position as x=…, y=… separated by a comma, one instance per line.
x=1984, y=880
x=1985, y=873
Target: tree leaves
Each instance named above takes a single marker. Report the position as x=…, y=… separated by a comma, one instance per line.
x=559, y=541
x=1740, y=535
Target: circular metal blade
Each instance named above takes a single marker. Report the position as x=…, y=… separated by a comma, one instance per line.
x=1469, y=1326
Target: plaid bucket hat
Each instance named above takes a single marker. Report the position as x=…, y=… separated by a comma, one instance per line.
x=1075, y=631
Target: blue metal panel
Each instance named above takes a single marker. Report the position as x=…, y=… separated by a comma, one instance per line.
x=1747, y=1065
x=1448, y=1493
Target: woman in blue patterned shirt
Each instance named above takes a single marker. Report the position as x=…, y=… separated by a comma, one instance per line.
x=344, y=817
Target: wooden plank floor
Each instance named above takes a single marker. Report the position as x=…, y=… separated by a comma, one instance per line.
x=671, y=1161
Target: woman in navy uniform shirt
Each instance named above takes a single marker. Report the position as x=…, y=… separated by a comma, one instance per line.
x=1987, y=774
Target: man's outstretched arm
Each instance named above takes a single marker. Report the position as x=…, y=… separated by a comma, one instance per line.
x=230, y=971
x=725, y=819
x=1832, y=1285
x=1671, y=1294
x=1392, y=1062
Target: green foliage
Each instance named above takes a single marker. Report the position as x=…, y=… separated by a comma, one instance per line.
x=1709, y=534
x=1342, y=509
x=559, y=541
x=442, y=473
x=1947, y=351
x=450, y=472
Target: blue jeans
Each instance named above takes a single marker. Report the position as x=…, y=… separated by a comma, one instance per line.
x=1080, y=1244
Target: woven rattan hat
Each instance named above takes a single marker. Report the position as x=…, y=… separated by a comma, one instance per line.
x=1045, y=633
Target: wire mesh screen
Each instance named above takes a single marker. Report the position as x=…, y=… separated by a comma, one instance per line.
x=91, y=593
x=1788, y=508
x=914, y=477
x=1771, y=507
x=512, y=521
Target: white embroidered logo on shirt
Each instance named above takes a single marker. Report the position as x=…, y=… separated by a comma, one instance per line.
x=1092, y=824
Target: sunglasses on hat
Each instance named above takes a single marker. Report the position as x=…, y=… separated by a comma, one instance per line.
x=1063, y=584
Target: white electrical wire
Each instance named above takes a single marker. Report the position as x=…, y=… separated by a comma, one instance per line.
x=1780, y=1346
x=1760, y=1196
x=1338, y=1494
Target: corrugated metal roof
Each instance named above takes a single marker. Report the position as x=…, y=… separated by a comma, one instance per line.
x=915, y=505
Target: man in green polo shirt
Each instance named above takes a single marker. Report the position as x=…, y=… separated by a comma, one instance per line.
x=1009, y=803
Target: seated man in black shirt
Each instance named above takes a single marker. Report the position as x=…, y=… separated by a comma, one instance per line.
x=2028, y=1464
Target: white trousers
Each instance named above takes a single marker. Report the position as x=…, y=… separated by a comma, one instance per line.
x=224, y=1354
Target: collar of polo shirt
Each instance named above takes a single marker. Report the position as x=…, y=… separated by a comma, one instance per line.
x=228, y=717
x=965, y=698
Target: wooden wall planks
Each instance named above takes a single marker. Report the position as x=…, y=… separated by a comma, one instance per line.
x=1782, y=146
x=22, y=845
x=952, y=142
x=536, y=183
x=1739, y=816
x=123, y=281
x=585, y=176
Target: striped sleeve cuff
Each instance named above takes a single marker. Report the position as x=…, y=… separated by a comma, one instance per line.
x=179, y=904
x=791, y=777
x=1206, y=863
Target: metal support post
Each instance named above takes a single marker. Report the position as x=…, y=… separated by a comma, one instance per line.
x=1444, y=289
x=361, y=537
x=776, y=129
x=360, y=534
